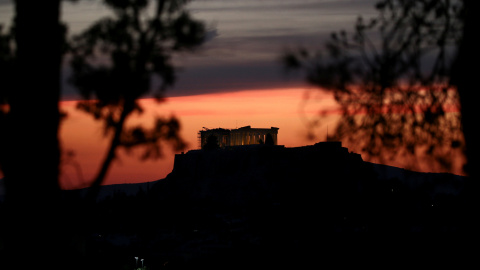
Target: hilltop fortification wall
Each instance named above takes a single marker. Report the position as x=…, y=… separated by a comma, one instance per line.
x=266, y=161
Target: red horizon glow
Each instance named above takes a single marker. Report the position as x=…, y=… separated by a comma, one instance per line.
x=288, y=109
x=81, y=135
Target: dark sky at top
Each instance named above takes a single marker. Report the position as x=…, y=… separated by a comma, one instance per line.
x=245, y=39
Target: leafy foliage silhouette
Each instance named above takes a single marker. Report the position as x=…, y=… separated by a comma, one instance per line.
x=114, y=62
x=391, y=79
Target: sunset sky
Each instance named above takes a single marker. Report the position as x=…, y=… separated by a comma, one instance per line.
x=235, y=79
x=244, y=41
x=282, y=108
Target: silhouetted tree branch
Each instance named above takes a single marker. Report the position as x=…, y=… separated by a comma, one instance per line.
x=114, y=62
x=391, y=78
x=30, y=56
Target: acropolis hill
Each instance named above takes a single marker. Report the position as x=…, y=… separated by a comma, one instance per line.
x=235, y=206
x=253, y=153
x=263, y=160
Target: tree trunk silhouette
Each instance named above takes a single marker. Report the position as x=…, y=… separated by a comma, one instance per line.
x=31, y=149
x=110, y=156
x=465, y=77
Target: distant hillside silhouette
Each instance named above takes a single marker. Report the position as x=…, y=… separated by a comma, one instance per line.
x=271, y=206
x=109, y=191
x=294, y=206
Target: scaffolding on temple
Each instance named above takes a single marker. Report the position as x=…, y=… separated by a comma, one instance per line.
x=239, y=136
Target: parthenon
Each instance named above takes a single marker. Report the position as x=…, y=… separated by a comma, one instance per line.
x=239, y=136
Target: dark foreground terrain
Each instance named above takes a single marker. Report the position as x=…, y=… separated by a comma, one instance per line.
x=266, y=207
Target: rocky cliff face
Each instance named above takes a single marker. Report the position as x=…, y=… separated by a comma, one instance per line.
x=239, y=174
x=318, y=162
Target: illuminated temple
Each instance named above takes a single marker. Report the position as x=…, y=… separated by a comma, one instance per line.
x=239, y=136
